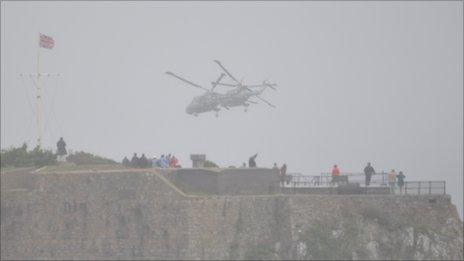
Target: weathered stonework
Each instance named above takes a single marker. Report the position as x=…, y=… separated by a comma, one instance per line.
x=140, y=215
x=231, y=181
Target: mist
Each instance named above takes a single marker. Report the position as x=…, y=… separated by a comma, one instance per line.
x=357, y=82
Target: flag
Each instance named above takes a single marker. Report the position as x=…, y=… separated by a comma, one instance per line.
x=46, y=41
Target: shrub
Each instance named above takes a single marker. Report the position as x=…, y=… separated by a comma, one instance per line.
x=210, y=164
x=21, y=157
x=84, y=158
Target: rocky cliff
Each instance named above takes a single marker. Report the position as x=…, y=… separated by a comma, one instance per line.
x=140, y=215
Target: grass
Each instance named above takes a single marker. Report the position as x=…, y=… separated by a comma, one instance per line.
x=7, y=169
x=73, y=167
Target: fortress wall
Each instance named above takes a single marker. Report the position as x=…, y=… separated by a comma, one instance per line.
x=93, y=215
x=232, y=227
x=231, y=181
x=139, y=216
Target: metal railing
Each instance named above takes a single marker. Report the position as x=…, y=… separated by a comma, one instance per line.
x=379, y=180
x=424, y=187
x=326, y=179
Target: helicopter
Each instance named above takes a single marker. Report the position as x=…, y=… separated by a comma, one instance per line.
x=209, y=101
x=241, y=94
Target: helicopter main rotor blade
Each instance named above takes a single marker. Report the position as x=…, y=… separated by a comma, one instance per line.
x=217, y=81
x=268, y=103
x=225, y=70
x=227, y=84
x=270, y=85
x=186, y=81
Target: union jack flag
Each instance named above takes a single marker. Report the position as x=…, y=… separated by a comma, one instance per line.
x=46, y=41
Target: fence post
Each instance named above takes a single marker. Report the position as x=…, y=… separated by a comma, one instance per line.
x=406, y=188
x=294, y=183
x=444, y=187
x=430, y=187
x=418, y=188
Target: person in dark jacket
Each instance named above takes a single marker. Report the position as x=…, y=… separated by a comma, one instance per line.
x=134, y=161
x=368, y=171
x=252, y=161
x=125, y=162
x=61, y=147
x=143, y=161
x=400, y=181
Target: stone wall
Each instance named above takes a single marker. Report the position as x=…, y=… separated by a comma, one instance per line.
x=232, y=181
x=122, y=215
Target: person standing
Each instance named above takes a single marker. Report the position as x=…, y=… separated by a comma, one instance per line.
x=400, y=177
x=134, y=161
x=61, y=150
x=125, y=162
x=143, y=161
x=275, y=166
x=173, y=162
x=368, y=171
x=162, y=161
x=283, y=174
x=252, y=161
x=335, y=174
x=392, y=181
x=154, y=162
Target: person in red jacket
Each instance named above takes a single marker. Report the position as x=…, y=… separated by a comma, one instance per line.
x=335, y=173
x=173, y=162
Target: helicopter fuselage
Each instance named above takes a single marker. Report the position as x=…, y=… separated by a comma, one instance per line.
x=238, y=97
x=204, y=103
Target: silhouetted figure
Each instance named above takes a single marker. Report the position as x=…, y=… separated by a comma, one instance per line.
x=368, y=171
x=61, y=150
x=400, y=177
x=134, y=161
x=275, y=166
x=252, y=161
x=125, y=162
x=143, y=161
x=283, y=174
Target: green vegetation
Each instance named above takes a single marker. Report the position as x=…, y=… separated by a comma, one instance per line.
x=21, y=157
x=84, y=158
x=73, y=167
x=210, y=164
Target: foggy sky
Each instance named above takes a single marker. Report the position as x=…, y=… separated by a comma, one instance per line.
x=357, y=82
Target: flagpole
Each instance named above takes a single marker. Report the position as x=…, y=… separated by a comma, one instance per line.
x=39, y=100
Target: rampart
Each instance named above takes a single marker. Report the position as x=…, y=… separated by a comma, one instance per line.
x=231, y=181
x=141, y=215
